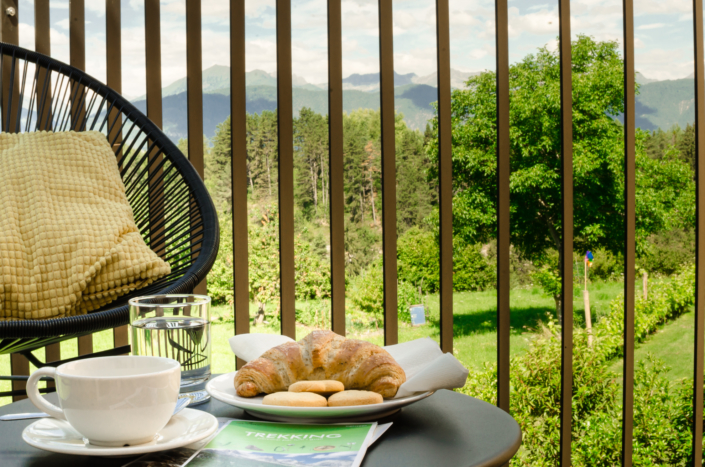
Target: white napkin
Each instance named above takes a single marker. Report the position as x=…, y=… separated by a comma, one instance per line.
x=427, y=368
x=251, y=346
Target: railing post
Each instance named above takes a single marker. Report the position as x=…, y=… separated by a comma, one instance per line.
x=445, y=189
x=238, y=154
x=113, y=61
x=567, y=231
x=19, y=365
x=503, y=221
x=42, y=44
x=336, y=166
x=629, y=233
x=389, y=195
x=699, y=346
x=285, y=125
x=194, y=100
x=77, y=50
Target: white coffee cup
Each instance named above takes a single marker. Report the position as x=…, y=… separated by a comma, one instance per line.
x=112, y=401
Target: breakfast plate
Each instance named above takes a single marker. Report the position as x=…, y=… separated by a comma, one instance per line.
x=223, y=389
x=187, y=427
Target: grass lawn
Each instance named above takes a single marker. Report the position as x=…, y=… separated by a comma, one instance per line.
x=474, y=326
x=672, y=343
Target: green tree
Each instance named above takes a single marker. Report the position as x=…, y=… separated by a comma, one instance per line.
x=535, y=151
x=311, y=161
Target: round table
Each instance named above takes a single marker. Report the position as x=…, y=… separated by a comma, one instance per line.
x=448, y=429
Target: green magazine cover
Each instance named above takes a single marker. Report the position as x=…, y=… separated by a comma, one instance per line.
x=266, y=444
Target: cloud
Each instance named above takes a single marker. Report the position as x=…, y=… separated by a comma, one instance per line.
x=59, y=4
x=662, y=63
x=542, y=22
x=642, y=7
x=651, y=26
x=63, y=24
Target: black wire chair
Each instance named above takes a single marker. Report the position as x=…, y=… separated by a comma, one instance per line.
x=171, y=205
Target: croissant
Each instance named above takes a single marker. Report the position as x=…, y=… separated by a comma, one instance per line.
x=322, y=355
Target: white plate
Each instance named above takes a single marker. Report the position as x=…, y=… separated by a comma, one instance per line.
x=223, y=389
x=184, y=428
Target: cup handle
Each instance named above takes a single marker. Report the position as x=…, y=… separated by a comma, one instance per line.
x=37, y=399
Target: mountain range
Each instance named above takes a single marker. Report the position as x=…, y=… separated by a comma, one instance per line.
x=659, y=104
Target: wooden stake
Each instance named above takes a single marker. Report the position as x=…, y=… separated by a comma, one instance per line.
x=645, y=285
x=588, y=318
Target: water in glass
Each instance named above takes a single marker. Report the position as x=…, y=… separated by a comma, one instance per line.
x=178, y=327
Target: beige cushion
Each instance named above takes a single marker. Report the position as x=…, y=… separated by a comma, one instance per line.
x=68, y=239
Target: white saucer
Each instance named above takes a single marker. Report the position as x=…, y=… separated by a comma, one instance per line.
x=184, y=428
x=223, y=389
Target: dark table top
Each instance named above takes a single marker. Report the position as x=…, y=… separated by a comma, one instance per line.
x=448, y=429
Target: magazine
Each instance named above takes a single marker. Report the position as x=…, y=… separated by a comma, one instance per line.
x=179, y=457
x=267, y=444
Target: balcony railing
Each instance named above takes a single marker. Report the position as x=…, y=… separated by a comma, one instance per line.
x=10, y=34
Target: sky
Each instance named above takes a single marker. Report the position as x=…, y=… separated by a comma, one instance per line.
x=663, y=35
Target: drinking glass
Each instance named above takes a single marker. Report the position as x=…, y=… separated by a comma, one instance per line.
x=178, y=327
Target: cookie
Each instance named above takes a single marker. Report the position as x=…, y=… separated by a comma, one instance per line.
x=346, y=398
x=295, y=399
x=324, y=388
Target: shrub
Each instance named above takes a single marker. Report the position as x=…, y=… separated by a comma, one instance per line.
x=418, y=259
x=418, y=263
x=605, y=266
x=367, y=295
x=220, y=278
x=666, y=252
x=662, y=411
x=471, y=270
x=551, y=283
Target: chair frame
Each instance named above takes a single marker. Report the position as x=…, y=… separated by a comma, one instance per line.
x=79, y=102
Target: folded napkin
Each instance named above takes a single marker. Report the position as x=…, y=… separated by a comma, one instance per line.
x=68, y=240
x=427, y=368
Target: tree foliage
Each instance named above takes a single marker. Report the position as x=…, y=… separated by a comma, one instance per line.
x=535, y=144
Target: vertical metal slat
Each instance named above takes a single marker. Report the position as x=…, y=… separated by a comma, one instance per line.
x=336, y=166
x=567, y=231
x=389, y=195
x=503, y=193
x=286, y=169
x=445, y=191
x=113, y=61
x=153, y=60
x=19, y=365
x=194, y=98
x=42, y=44
x=77, y=52
x=445, y=154
x=699, y=49
x=629, y=233
x=238, y=145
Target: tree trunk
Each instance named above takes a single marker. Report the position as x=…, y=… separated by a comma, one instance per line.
x=259, y=319
x=269, y=176
x=252, y=183
x=362, y=207
x=314, y=184
x=323, y=181
x=559, y=246
x=372, y=201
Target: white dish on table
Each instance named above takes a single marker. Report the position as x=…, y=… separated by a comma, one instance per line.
x=223, y=389
x=184, y=428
